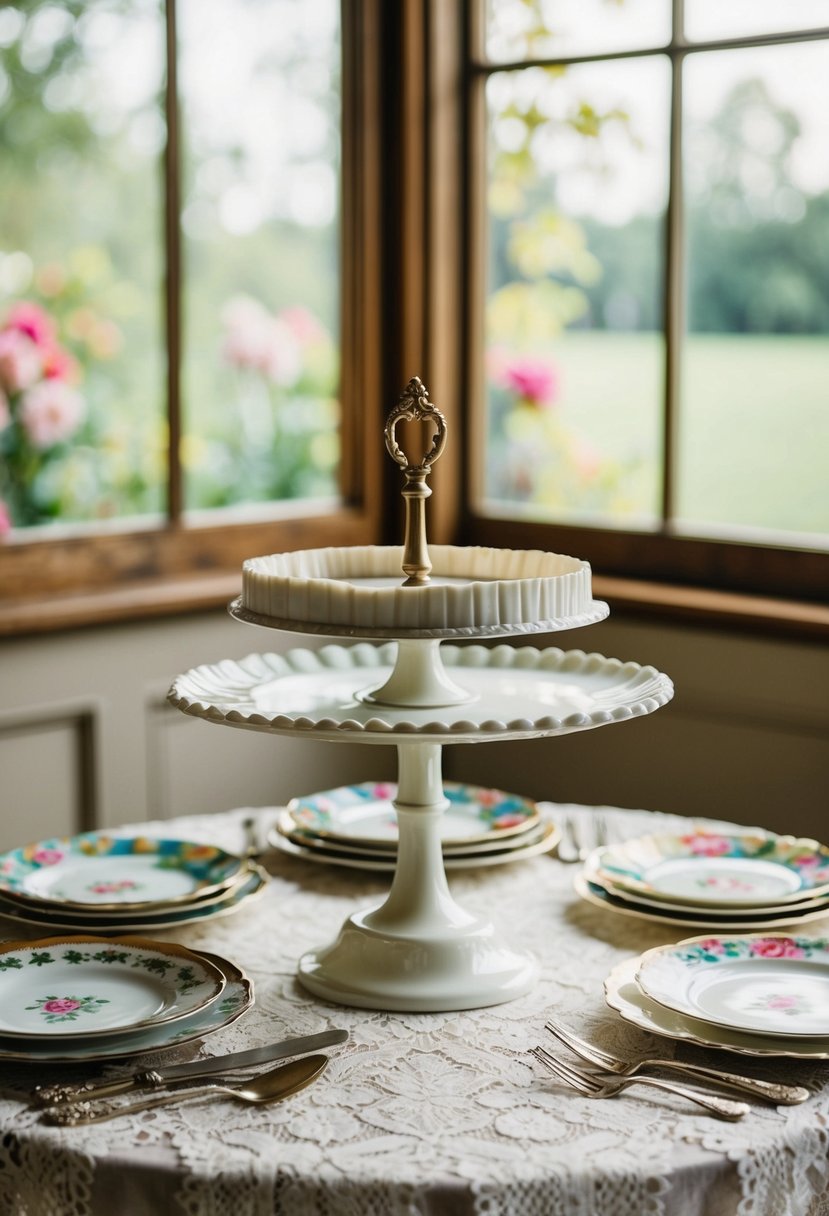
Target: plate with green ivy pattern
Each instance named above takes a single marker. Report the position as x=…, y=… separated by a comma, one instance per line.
x=80, y=988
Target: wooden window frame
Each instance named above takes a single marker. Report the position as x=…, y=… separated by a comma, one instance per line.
x=60, y=576
x=666, y=555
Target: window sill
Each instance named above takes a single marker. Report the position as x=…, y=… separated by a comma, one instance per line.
x=152, y=598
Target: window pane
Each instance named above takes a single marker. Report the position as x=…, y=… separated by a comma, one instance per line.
x=260, y=104
x=578, y=166
x=754, y=419
x=737, y=18
x=82, y=432
x=545, y=29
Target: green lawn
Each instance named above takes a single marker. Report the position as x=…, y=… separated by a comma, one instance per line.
x=753, y=429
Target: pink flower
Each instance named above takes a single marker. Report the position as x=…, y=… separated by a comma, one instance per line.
x=5, y=520
x=383, y=790
x=29, y=319
x=21, y=363
x=47, y=857
x=259, y=341
x=776, y=947
x=58, y=364
x=782, y=1002
x=532, y=379
x=303, y=324
x=707, y=846
x=711, y=945
x=61, y=1004
x=51, y=412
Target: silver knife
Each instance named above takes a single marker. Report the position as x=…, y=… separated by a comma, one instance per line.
x=56, y=1095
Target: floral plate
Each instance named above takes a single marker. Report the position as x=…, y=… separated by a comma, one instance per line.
x=770, y=984
x=701, y=869
x=386, y=862
x=235, y=1000
x=83, y=987
x=251, y=883
x=745, y=920
x=624, y=995
x=364, y=814
x=98, y=871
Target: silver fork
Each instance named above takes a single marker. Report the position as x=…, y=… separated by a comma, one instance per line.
x=770, y=1091
x=592, y=1086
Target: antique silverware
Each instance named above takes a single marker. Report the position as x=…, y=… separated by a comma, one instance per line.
x=54, y=1095
x=770, y=1091
x=270, y=1086
x=594, y=1086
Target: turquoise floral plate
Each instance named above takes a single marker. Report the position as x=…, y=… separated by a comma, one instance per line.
x=82, y=987
x=765, y=983
x=715, y=870
x=365, y=814
x=236, y=999
x=96, y=871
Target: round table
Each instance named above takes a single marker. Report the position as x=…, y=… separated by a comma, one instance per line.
x=424, y=1113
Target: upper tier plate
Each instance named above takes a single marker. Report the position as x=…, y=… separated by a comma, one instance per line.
x=358, y=592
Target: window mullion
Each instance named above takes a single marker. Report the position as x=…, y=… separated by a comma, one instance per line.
x=173, y=265
x=674, y=319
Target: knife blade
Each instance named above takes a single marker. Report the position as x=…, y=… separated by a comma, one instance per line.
x=60, y=1095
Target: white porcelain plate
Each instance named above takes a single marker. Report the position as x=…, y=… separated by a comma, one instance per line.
x=95, y=870
x=235, y=1000
x=516, y=690
x=84, y=987
x=546, y=841
x=768, y=983
x=699, y=869
x=700, y=918
x=365, y=814
x=623, y=994
x=250, y=884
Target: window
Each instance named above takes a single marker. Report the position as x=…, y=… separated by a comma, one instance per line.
x=181, y=337
x=651, y=334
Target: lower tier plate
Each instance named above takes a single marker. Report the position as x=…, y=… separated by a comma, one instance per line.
x=514, y=691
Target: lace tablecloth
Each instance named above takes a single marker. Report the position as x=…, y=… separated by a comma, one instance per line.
x=424, y=1113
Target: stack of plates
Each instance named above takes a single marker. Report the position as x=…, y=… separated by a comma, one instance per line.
x=757, y=994
x=740, y=881
x=101, y=883
x=356, y=826
x=78, y=998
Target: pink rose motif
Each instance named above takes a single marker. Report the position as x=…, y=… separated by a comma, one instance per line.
x=711, y=945
x=21, y=363
x=509, y=821
x=63, y=1004
x=782, y=1002
x=47, y=857
x=707, y=846
x=532, y=379
x=29, y=319
x=776, y=947
x=51, y=412
x=383, y=790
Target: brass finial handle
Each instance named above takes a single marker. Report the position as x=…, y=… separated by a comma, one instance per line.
x=414, y=406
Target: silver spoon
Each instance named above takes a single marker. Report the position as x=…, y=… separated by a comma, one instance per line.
x=267, y=1087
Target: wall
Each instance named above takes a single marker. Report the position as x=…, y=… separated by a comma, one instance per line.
x=87, y=738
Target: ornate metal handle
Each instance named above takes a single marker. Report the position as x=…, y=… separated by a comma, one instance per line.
x=61, y=1094
x=414, y=406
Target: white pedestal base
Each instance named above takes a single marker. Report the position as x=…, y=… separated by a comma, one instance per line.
x=419, y=951
x=372, y=969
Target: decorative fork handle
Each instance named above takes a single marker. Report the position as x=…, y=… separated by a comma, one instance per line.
x=784, y=1095
x=724, y=1107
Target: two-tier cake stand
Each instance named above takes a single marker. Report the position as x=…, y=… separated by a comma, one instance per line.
x=419, y=950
